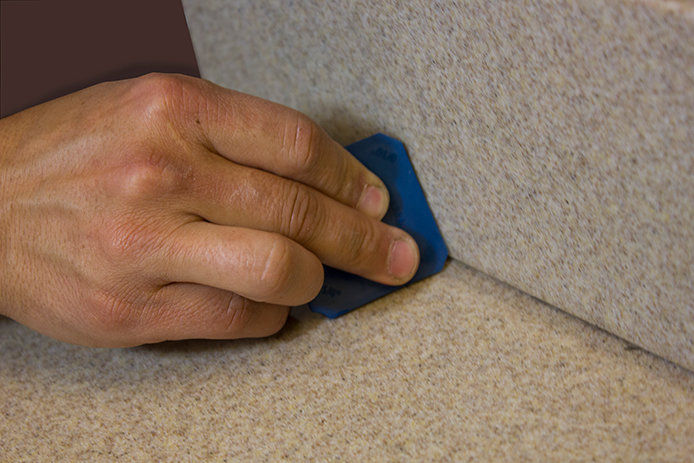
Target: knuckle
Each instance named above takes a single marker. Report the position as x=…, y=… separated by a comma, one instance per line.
x=276, y=275
x=159, y=84
x=301, y=143
x=150, y=173
x=302, y=214
x=158, y=95
x=360, y=243
x=142, y=179
x=237, y=314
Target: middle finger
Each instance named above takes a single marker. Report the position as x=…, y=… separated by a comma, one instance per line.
x=341, y=237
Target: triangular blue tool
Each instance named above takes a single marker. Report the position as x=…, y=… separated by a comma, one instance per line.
x=387, y=158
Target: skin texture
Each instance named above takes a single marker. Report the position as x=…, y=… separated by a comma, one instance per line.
x=165, y=207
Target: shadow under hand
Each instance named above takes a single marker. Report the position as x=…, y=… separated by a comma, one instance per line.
x=34, y=358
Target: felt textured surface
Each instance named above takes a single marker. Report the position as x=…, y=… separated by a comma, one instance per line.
x=459, y=366
x=553, y=138
x=456, y=367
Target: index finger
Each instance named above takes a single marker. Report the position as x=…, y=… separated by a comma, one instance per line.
x=258, y=133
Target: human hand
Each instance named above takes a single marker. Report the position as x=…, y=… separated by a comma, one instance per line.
x=165, y=207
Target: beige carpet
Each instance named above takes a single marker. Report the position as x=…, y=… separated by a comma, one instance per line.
x=457, y=367
x=554, y=139
x=554, y=142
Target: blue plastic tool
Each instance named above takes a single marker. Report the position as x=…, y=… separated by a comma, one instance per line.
x=386, y=157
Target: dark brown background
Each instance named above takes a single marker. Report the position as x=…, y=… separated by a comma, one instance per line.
x=52, y=47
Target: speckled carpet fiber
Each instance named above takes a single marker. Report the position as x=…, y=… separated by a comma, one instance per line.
x=457, y=367
x=554, y=139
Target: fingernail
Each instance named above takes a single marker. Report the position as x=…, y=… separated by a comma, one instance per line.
x=402, y=259
x=373, y=201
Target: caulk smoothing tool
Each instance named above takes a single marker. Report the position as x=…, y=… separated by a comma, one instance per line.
x=386, y=157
